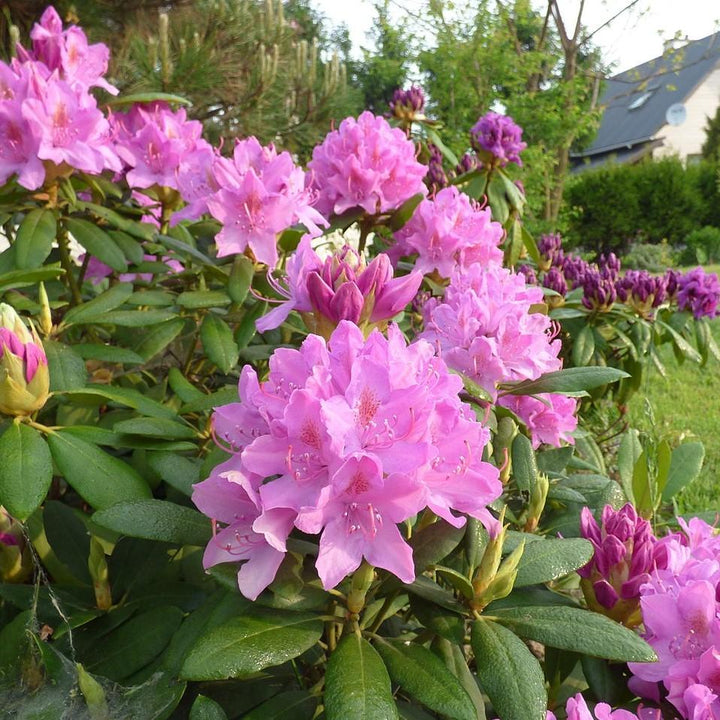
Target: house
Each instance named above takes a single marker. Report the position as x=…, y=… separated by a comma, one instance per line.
x=658, y=108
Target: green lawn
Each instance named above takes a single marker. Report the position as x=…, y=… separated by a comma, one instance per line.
x=686, y=405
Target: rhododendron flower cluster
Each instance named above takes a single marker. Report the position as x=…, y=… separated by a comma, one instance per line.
x=447, y=232
x=345, y=440
x=681, y=614
x=577, y=709
x=500, y=136
x=486, y=330
x=625, y=554
x=365, y=164
x=699, y=292
x=342, y=287
x=261, y=193
x=406, y=105
x=155, y=142
x=49, y=121
x=642, y=291
x=436, y=177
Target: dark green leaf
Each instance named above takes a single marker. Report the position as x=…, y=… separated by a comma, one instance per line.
x=425, y=588
x=357, y=684
x=34, y=238
x=223, y=396
x=426, y=678
x=642, y=489
x=217, y=339
x=151, y=298
x=193, y=299
x=131, y=248
x=97, y=242
x=681, y=344
x=245, y=645
x=554, y=460
x=508, y=672
x=181, y=247
x=137, y=318
x=138, y=229
x=22, y=278
x=294, y=705
x=100, y=479
x=524, y=467
x=125, y=396
x=454, y=658
x=96, y=308
x=685, y=465
x=608, y=681
x=584, y=346
x=435, y=542
x=241, y=277
x=577, y=630
x=440, y=621
x=204, y=708
x=405, y=212
x=158, y=338
x=569, y=380
x=550, y=559
x=156, y=520
x=628, y=454
x=156, y=427
x=66, y=367
x=182, y=387
x=107, y=353
x=246, y=330
x=175, y=470
x=25, y=470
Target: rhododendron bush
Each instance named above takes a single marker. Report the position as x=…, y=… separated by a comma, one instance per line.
x=286, y=442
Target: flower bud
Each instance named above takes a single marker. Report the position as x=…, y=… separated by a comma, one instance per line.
x=24, y=377
x=15, y=558
x=536, y=506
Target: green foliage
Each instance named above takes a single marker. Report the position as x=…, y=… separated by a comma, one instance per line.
x=701, y=247
x=711, y=147
x=653, y=258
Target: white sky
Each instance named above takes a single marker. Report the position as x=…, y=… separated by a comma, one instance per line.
x=634, y=37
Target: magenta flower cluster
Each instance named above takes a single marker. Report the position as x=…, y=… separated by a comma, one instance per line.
x=447, y=232
x=486, y=330
x=577, y=709
x=406, y=104
x=49, y=121
x=500, y=136
x=342, y=287
x=365, y=164
x=699, y=292
x=681, y=614
x=344, y=440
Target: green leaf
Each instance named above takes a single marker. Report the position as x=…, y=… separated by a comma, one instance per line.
x=244, y=645
x=135, y=643
x=175, y=470
x=204, y=708
x=444, y=149
x=664, y=454
x=457, y=580
x=131, y=248
x=550, y=559
x=22, y=278
x=685, y=465
x=137, y=318
x=294, y=705
x=68, y=537
x=223, y=396
x=193, y=299
x=404, y=212
x=100, y=479
x=454, y=658
x=140, y=230
x=151, y=298
x=584, y=346
x=156, y=520
x=66, y=367
x=182, y=387
x=441, y=622
x=357, y=684
x=97, y=243
x=524, y=466
x=434, y=543
x=34, y=238
x=95, y=309
x=158, y=338
x=217, y=339
x=148, y=97
x=681, y=344
x=606, y=680
x=107, y=353
x=569, y=380
x=578, y=630
x=641, y=486
x=509, y=673
x=25, y=470
x=156, y=427
x=425, y=588
x=240, y=279
x=181, y=247
x=426, y=678
x=125, y=396
x=246, y=329
x=554, y=460
x=628, y=453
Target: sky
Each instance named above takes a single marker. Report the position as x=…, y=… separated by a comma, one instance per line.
x=633, y=38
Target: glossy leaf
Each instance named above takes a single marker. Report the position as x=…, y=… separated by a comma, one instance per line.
x=240, y=279
x=156, y=427
x=100, y=479
x=97, y=242
x=158, y=338
x=95, y=309
x=245, y=645
x=524, y=466
x=685, y=465
x=67, y=368
x=217, y=339
x=34, y=238
x=193, y=299
x=570, y=380
x=509, y=673
x=25, y=470
x=357, y=684
x=294, y=705
x=550, y=559
x=68, y=537
x=107, y=353
x=205, y=708
x=454, y=658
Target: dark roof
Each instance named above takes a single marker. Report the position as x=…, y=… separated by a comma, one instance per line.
x=668, y=79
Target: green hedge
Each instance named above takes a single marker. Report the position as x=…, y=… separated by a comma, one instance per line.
x=614, y=207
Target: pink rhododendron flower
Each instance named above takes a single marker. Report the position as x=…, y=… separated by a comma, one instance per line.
x=549, y=417
x=348, y=439
x=447, y=232
x=342, y=287
x=681, y=614
x=367, y=164
x=261, y=194
x=155, y=142
x=486, y=330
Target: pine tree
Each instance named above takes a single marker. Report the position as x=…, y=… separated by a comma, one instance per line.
x=711, y=147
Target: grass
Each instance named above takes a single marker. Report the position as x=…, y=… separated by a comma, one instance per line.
x=685, y=405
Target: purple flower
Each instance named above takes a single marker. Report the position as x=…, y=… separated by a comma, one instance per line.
x=599, y=292
x=358, y=435
x=574, y=269
x=407, y=105
x=624, y=556
x=549, y=417
x=500, y=136
x=467, y=163
x=699, y=293
x=529, y=273
x=642, y=291
x=609, y=266
x=577, y=709
x=365, y=164
x=550, y=249
x=436, y=177
x=447, y=232
x=486, y=330
x=554, y=280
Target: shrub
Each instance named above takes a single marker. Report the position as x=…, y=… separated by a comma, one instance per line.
x=701, y=246
x=644, y=256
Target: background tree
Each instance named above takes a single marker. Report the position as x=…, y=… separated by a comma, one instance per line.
x=711, y=147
